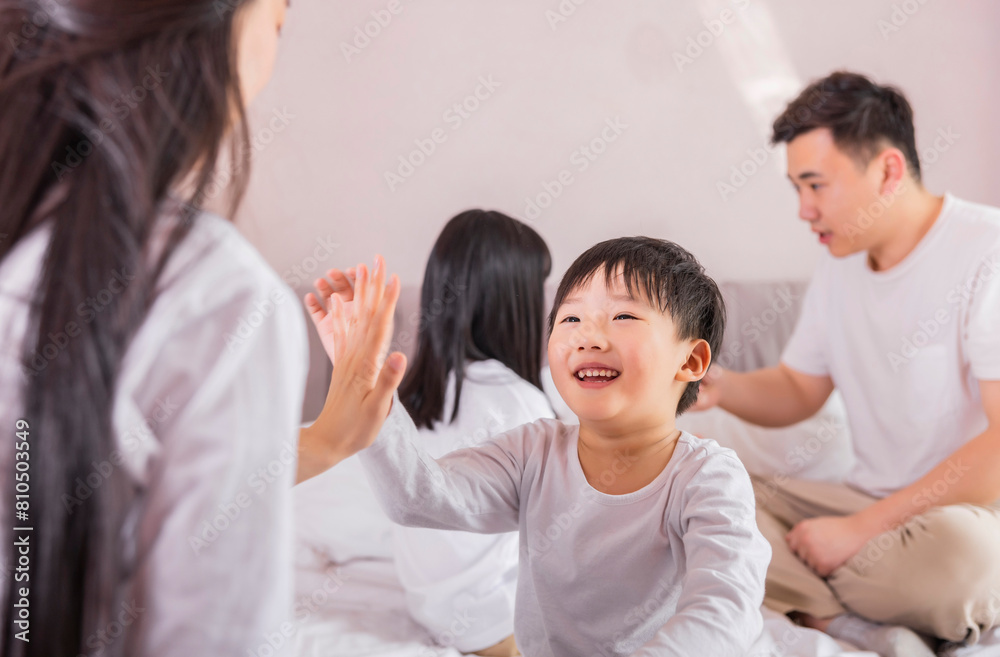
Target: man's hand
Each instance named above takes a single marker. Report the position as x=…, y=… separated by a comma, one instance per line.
x=709, y=392
x=826, y=543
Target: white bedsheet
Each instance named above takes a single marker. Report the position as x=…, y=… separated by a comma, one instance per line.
x=358, y=610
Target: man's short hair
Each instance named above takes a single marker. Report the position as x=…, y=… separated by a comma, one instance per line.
x=864, y=117
x=668, y=277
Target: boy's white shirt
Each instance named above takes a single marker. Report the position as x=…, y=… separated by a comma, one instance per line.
x=907, y=346
x=676, y=568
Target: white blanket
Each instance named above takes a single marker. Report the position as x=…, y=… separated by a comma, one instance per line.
x=365, y=616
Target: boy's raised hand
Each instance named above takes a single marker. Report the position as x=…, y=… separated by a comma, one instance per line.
x=357, y=339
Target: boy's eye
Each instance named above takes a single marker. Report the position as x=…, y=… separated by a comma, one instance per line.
x=815, y=186
x=569, y=318
x=625, y=315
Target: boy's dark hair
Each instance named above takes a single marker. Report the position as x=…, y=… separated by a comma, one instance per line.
x=863, y=117
x=668, y=276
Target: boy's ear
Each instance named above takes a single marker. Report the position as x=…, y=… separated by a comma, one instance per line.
x=696, y=366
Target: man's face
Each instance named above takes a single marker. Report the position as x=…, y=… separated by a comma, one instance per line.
x=837, y=196
x=614, y=358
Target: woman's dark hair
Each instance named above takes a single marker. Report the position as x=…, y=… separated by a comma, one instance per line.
x=483, y=298
x=663, y=274
x=106, y=108
x=863, y=116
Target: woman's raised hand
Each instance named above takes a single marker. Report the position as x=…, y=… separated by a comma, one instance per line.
x=355, y=325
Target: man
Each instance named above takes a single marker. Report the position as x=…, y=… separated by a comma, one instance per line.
x=904, y=320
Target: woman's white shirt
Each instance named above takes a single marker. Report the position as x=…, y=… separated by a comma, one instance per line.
x=206, y=414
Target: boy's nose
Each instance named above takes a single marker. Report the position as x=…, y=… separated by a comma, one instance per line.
x=590, y=337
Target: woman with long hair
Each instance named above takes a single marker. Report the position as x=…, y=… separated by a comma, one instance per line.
x=151, y=364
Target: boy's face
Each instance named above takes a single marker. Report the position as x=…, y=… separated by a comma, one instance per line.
x=635, y=344
x=836, y=195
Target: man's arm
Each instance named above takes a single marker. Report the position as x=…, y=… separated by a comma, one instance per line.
x=771, y=397
x=971, y=475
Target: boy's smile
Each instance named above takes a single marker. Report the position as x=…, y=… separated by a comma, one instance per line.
x=593, y=374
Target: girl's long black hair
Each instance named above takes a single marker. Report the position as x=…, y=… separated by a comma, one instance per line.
x=106, y=106
x=483, y=297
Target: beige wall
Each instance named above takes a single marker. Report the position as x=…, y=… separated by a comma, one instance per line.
x=329, y=129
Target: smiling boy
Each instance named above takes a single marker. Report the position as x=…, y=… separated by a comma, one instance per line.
x=635, y=538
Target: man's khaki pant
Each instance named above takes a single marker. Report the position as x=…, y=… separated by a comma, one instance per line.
x=939, y=573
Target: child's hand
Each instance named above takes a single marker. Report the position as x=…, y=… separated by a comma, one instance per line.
x=320, y=309
x=361, y=388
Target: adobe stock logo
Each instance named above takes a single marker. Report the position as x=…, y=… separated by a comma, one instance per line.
x=714, y=28
x=365, y=35
x=454, y=117
x=581, y=159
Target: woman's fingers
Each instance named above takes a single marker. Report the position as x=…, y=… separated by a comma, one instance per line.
x=326, y=291
x=338, y=328
x=363, y=338
x=370, y=288
x=316, y=310
x=361, y=291
x=342, y=283
x=382, y=374
x=378, y=283
x=382, y=319
x=374, y=329
x=387, y=312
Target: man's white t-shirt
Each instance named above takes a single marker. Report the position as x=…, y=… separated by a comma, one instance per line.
x=907, y=346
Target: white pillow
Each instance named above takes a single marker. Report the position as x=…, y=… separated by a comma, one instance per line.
x=338, y=518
